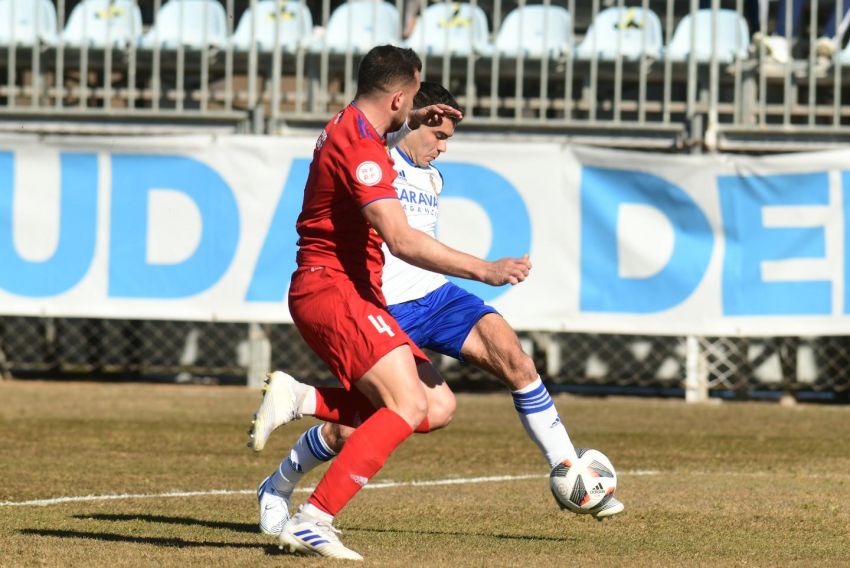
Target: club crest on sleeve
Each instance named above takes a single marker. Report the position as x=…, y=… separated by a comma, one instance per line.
x=369, y=173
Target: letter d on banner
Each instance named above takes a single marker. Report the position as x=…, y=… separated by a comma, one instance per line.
x=603, y=191
x=505, y=208
x=130, y=273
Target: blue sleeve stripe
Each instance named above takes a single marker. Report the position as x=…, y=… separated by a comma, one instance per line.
x=378, y=199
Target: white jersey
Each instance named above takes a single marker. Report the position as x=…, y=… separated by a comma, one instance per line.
x=418, y=190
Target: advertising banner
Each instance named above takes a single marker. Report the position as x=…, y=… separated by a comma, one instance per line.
x=203, y=228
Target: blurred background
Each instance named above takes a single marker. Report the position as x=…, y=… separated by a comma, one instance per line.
x=740, y=78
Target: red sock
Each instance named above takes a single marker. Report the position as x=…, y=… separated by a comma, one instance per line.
x=362, y=456
x=348, y=407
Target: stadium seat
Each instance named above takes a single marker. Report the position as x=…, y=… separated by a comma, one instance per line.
x=291, y=18
x=101, y=23
x=24, y=21
x=194, y=24
x=451, y=27
x=732, y=32
x=536, y=31
x=628, y=32
x=360, y=26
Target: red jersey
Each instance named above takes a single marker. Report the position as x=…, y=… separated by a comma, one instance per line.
x=351, y=168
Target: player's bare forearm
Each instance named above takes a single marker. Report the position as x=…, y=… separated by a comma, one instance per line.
x=420, y=249
x=423, y=251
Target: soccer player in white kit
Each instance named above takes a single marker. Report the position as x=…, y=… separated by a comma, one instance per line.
x=437, y=315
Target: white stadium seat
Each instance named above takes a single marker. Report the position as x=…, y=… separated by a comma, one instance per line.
x=732, y=31
x=451, y=27
x=629, y=32
x=291, y=18
x=536, y=31
x=195, y=24
x=24, y=21
x=102, y=23
x=360, y=26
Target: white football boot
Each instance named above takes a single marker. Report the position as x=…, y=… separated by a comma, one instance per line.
x=274, y=507
x=282, y=397
x=305, y=534
x=609, y=508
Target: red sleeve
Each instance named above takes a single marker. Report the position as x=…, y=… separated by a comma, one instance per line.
x=368, y=171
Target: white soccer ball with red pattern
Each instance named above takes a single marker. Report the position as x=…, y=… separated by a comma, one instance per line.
x=583, y=485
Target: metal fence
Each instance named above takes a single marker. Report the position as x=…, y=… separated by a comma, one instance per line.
x=816, y=367
x=687, y=75
x=676, y=73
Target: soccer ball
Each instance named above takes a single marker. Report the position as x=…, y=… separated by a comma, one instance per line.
x=583, y=485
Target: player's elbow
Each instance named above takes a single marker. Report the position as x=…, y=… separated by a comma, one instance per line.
x=399, y=244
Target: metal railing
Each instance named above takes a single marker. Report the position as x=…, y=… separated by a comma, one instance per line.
x=814, y=367
x=632, y=69
x=732, y=95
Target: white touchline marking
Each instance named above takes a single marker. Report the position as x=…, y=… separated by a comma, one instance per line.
x=376, y=485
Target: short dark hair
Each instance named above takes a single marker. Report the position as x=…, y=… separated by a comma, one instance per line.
x=386, y=67
x=431, y=93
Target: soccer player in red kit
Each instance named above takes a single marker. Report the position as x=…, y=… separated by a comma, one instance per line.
x=350, y=208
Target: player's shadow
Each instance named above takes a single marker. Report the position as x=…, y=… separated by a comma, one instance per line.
x=156, y=541
x=459, y=533
x=186, y=521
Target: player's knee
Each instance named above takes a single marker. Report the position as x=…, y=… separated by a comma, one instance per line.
x=413, y=409
x=441, y=411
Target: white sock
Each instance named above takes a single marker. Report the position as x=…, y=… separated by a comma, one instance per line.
x=540, y=418
x=311, y=510
x=307, y=406
x=308, y=452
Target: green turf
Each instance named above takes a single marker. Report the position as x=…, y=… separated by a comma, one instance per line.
x=736, y=484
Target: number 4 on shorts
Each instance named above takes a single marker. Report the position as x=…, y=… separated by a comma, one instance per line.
x=381, y=325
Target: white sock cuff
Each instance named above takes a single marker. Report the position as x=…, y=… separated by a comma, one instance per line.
x=536, y=384
x=311, y=510
x=308, y=403
x=317, y=445
x=532, y=399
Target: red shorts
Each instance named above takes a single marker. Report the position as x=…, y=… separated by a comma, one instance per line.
x=349, y=328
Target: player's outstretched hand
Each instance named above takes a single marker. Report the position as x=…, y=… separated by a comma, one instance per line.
x=508, y=271
x=431, y=115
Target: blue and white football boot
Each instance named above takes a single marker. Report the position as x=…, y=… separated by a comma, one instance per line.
x=306, y=534
x=274, y=507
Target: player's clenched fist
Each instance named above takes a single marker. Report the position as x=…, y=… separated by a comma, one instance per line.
x=508, y=271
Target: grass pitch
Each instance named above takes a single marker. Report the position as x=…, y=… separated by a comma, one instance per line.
x=736, y=484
